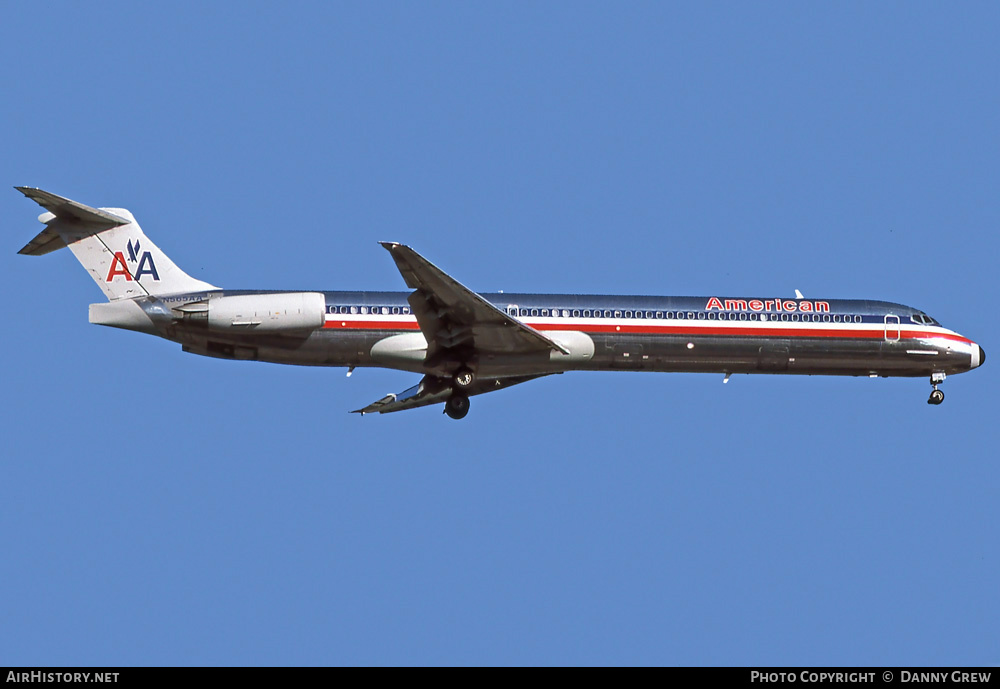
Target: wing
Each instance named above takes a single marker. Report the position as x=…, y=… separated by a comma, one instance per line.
x=434, y=390
x=458, y=324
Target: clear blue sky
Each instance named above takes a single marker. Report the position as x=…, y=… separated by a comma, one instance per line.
x=161, y=508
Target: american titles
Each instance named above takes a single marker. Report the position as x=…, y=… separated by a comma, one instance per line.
x=767, y=305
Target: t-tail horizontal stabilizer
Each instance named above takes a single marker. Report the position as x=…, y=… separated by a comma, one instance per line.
x=109, y=243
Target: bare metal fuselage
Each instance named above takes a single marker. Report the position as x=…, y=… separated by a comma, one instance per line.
x=853, y=338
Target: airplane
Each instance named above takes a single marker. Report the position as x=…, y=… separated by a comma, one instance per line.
x=466, y=344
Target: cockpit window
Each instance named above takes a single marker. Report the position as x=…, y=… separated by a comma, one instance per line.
x=923, y=318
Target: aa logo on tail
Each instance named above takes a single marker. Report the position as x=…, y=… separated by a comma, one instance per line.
x=144, y=261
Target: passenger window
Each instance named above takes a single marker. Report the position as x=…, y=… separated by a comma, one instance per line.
x=795, y=317
x=607, y=313
x=385, y=310
x=343, y=309
x=534, y=312
x=670, y=315
x=586, y=313
x=618, y=314
x=566, y=313
x=784, y=316
x=815, y=318
x=743, y=316
x=576, y=313
x=628, y=314
x=659, y=314
x=395, y=310
x=406, y=310
x=857, y=319
x=836, y=318
x=826, y=318
x=354, y=309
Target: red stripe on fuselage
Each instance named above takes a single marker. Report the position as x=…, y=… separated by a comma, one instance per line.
x=629, y=329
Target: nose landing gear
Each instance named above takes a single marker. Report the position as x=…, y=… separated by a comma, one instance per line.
x=937, y=397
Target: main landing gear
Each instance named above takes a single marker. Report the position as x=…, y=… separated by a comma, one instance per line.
x=457, y=405
x=463, y=378
x=937, y=397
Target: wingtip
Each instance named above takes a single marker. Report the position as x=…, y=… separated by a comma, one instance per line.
x=389, y=246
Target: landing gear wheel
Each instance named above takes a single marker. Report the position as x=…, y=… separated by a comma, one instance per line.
x=463, y=378
x=937, y=397
x=457, y=406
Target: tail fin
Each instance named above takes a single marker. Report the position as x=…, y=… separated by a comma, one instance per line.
x=109, y=243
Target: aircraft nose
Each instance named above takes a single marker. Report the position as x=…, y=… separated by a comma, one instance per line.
x=978, y=357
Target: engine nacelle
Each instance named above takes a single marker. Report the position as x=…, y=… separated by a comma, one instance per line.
x=267, y=313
